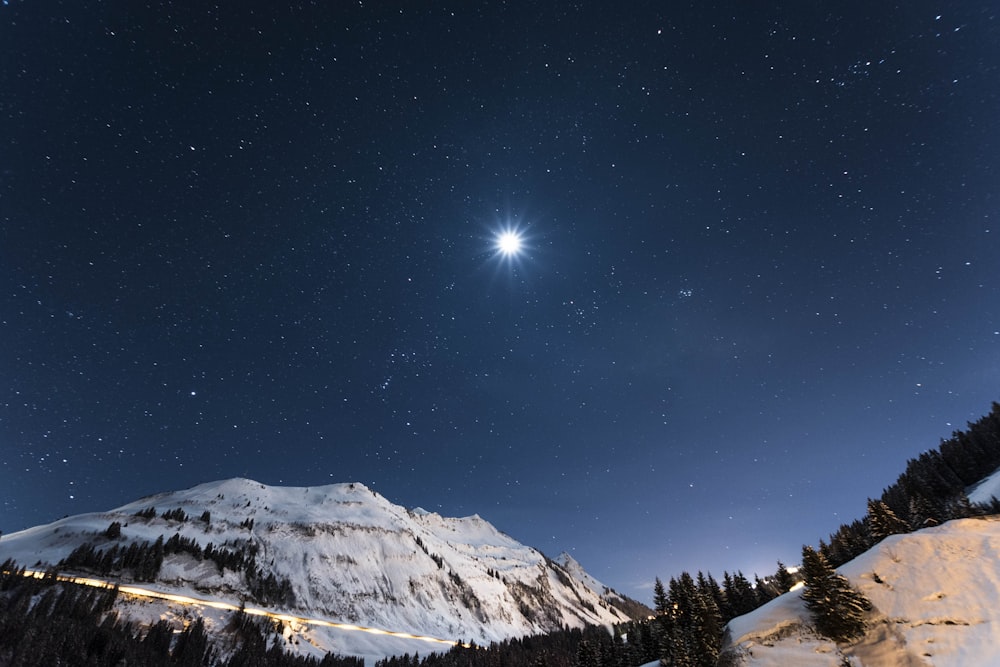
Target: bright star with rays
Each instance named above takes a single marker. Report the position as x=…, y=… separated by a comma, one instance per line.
x=509, y=243
x=512, y=246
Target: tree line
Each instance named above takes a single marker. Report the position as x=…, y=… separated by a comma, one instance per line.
x=143, y=560
x=931, y=490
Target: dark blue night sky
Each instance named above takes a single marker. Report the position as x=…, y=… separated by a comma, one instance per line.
x=759, y=267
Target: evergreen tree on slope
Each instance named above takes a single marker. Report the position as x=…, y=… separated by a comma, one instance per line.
x=661, y=603
x=783, y=579
x=883, y=522
x=838, y=610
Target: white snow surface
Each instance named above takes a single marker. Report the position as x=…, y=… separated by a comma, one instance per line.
x=351, y=556
x=936, y=597
x=576, y=571
x=984, y=491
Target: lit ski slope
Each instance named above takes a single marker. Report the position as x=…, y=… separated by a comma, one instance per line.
x=139, y=591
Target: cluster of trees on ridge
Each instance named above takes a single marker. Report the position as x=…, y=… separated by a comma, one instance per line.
x=143, y=560
x=929, y=492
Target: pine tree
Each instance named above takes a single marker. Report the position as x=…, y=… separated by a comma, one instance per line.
x=192, y=645
x=713, y=588
x=660, y=601
x=646, y=642
x=158, y=638
x=587, y=655
x=707, y=629
x=740, y=596
x=837, y=609
x=923, y=512
x=849, y=542
x=763, y=590
x=883, y=522
x=693, y=628
x=783, y=579
x=961, y=507
x=114, y=530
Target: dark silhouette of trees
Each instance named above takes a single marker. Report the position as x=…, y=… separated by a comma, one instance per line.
x=593, y=646
x=883, y=522
x=175, y=515
x=740, y=596
x=113, y=531
x=661, y=603
x=45, y=622
x=931, y=490
x=783, y=579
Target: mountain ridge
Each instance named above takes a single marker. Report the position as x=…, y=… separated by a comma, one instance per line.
x=338, y=551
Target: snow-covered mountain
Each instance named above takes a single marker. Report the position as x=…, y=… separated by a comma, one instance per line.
x=936, y=597
x=340, y=552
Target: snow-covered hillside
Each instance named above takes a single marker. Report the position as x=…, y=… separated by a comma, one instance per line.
x=984, y=491
x=936, y=595
x=349, y=555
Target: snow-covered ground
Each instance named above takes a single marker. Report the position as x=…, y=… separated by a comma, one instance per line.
x=936, y=595
x=984, y=491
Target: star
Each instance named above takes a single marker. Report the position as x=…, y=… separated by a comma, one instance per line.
x=509, y=243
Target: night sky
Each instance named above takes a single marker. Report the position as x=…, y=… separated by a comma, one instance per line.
x=759, y=263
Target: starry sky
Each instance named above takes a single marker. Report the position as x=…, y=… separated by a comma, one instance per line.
x=758, y=266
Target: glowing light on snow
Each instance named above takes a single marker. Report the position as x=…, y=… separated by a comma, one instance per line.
x=138, y=591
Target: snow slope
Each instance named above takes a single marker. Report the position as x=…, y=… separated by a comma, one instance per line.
x=936, y=595
x=351, y=556
x=984, y=491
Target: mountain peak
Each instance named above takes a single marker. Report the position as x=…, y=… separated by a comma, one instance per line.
x=340, y=552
